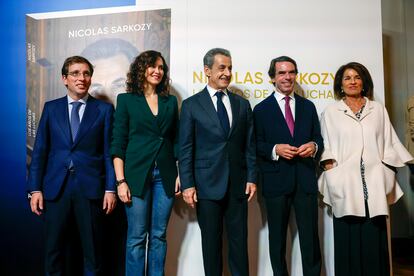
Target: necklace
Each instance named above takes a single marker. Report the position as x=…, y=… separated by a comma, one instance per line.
x=355, y=105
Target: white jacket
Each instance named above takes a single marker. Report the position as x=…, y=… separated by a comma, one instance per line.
x=346, y=139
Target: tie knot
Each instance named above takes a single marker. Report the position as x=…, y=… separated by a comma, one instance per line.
x=76, y=105
x=219, y=94
x=287, y=99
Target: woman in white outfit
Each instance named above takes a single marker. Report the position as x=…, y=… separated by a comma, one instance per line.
x=360, y=158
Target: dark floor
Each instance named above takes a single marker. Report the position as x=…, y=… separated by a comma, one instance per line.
x=403, y=256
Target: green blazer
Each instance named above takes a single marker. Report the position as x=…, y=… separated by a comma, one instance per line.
x=141, y=139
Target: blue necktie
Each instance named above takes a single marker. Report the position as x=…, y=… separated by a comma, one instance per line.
x=75, y=119
x=222, y=113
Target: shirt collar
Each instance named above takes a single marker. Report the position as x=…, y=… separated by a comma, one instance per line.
x=280, y=96
x=213, y=91
x=83, y=100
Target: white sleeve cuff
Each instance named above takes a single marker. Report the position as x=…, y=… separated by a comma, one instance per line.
x=275, y=156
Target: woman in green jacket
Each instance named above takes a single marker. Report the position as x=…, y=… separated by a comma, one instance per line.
x=143, y=151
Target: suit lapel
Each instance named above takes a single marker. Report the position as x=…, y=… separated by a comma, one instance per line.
x=298, y=114
x=207, y=104
x=163, y=109
x=148, y=118
x=62, y=117
x=367, y=109
x=342, y=106
x=235, y=111
x=89, y=117
x=280, y=118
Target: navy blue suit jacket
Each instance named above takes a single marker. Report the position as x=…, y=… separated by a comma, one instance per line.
x=282, y=176
x=208, y=159
x=54, y=149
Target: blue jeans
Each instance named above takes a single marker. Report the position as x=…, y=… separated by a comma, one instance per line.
x=147, y=224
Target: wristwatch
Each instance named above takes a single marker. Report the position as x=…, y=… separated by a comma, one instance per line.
x=30, y=194
x=119, y=182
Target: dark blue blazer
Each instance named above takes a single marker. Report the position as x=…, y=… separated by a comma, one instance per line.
x=282, y=176
x=89, y=153
x=208, y=159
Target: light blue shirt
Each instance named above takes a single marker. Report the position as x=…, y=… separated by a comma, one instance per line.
x=82, y=107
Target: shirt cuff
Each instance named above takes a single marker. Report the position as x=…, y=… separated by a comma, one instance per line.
x=316, y=150
x=275, y=156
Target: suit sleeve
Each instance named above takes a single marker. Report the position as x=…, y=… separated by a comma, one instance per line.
x=109, y=168
x=250, y=147
x=40, y=153
x=186, y=147
x=264, y=148
x=120, y=128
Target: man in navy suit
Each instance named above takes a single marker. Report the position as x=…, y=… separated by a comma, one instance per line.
x=71, y=173
x=217, y=164
x=288, y=142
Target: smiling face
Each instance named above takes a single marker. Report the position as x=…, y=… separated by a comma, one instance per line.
x=154, y=73
x=352, y=83
x=285, y=75
x=109, y=77
x=219, y=75
x=78, y=85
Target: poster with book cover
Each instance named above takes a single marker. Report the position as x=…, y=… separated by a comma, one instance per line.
x=109, y=41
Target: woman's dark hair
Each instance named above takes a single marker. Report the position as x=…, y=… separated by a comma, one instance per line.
x=136, y=74
x=367, y=84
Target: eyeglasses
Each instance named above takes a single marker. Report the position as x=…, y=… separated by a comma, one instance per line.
x=77, y=74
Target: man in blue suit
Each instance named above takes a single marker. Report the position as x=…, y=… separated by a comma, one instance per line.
x=71, y=169
x=288, y=143
x=217, y=164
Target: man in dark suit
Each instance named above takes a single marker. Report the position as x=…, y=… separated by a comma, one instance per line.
x=71, y=169
x=288, y=142
x=217, y=164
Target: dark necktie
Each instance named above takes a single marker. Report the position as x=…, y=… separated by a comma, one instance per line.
x=289, y=116
x=222, y=113
x=75, y=119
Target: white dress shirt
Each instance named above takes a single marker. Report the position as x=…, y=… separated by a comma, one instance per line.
x=225, y=99
x=280, y=98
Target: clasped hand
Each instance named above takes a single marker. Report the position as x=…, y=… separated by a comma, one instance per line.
x=289, y=152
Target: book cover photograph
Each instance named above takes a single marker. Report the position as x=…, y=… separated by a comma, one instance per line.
x=109, y=41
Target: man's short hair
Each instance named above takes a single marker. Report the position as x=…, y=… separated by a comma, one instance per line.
x=208, y=59
x=75, y=59
x=272, y=67
x=109, y=47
